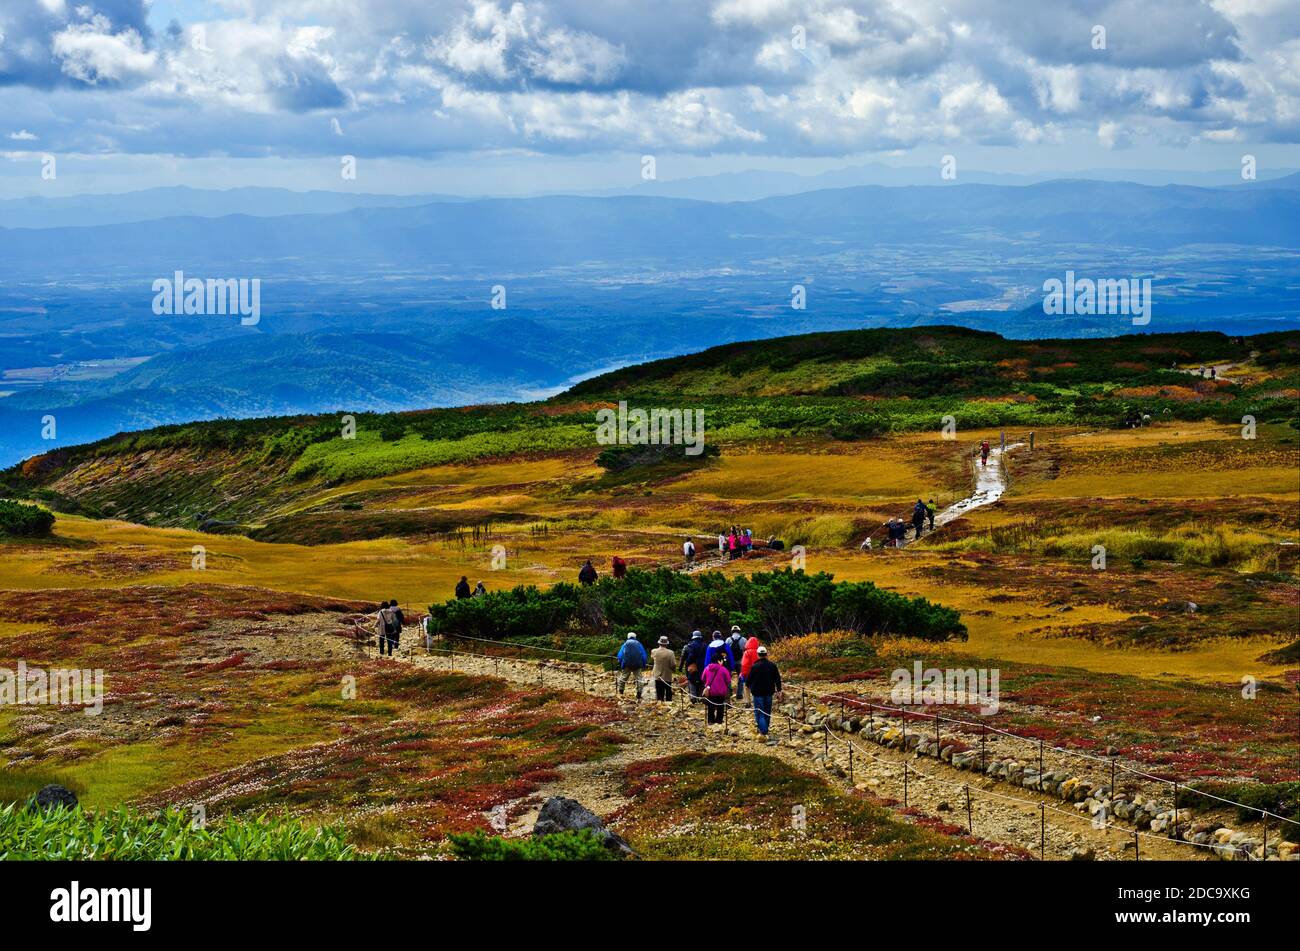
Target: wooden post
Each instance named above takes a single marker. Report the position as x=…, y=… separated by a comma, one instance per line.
x=970, y=821
x=936, y=734
x=1040, y=759
x=1175, y=832
x=1042, y=831
x=984, y=738
x=1136, y=845
x=904, y=784
x=851, y=780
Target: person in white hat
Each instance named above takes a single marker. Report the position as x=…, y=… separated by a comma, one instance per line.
x=631, y=661
x=764, y=683
x=664, y=663
x=736, y=648
x=692, y=663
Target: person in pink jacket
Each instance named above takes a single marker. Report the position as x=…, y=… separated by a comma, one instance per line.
x=717, y=692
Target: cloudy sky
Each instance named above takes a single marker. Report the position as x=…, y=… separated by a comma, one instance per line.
x=493, y=96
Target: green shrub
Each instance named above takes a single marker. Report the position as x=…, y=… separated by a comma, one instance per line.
x=125, y=835
x=581, y=845
x=773, y=604
x=17, y=518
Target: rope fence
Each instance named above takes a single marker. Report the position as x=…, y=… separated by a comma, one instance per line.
x=906, y=774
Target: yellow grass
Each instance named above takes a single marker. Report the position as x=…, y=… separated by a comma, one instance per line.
x=865, y=475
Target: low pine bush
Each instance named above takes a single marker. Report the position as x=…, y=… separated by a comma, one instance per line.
x=773, y=604
x=29, y=521
x=580, y=845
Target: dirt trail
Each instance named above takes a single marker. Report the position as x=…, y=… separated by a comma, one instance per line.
x=661, y=729
x=990, y=484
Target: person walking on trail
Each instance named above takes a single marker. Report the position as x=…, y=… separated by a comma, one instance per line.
x=718, y=650
x=631, y=661
x=462, y=588
x=717, y=691
x=736, y=648
x=587, y=574
x=688, y=551
x=480, y=589
x=764, y=682
x=395, y=628
x=918, y=517
x=663, y=663
x=383, y=622
x=722, y=545
x=930, y=511
x=692, y=663
x=618, y=567
x=984, y=453
x=749, y=539
x=733, y=545
x=747, y=662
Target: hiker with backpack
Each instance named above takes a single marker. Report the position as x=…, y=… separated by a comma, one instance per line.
x=688, y=551
x=692, y=663
x=587, y=574
x=735, y=644
x=631, y=661
x=717, y=691
x=384, y=623
x=480, y=589
x=930, y=511
x=618, y=567
x=663, y=662
x=718, y=647
x=764, y=682
x=462, y=588
x=918, y=517
x=984, y=453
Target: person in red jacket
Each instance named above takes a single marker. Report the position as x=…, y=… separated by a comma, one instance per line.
x=750, y=655
x=619, y=567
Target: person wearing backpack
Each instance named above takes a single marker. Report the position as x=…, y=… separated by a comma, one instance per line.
x=717, y=691
x=688, y=551
x=747, y=660
x=587, y=575
x=618, y=567
x=930, y=510
x=717, y=647
x=631, y=661
x=383, y=621
x=664, y=661
x=736, y=648
x=692, y=664
x=396, y=621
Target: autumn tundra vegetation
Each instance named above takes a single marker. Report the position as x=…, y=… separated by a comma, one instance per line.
x=1136, y=586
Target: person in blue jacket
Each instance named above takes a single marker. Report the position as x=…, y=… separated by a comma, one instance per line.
x=719, y=646
x=692, y=663
x=631, y=661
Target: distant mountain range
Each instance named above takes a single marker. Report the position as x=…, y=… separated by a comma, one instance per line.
x=390, y=305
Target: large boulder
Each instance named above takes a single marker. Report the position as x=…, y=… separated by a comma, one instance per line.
x=54, y=795
x=560, y=814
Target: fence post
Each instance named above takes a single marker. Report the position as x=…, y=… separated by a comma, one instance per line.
x=936, y=734
x=583, y=674
x=1136, y=845
x=904, y=784
x=1175, y=833
x=1113, y=790
x=984, y=738
x=496, y=664
x=1040, y=759
x=970, y=821
x=1042, y=831
x=851, y=780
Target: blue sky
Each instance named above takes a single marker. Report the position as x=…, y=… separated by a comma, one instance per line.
x=491, y=96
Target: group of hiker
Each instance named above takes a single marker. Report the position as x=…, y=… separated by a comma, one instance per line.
x=736, y=543
x=896, y=528
x=711, y=669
